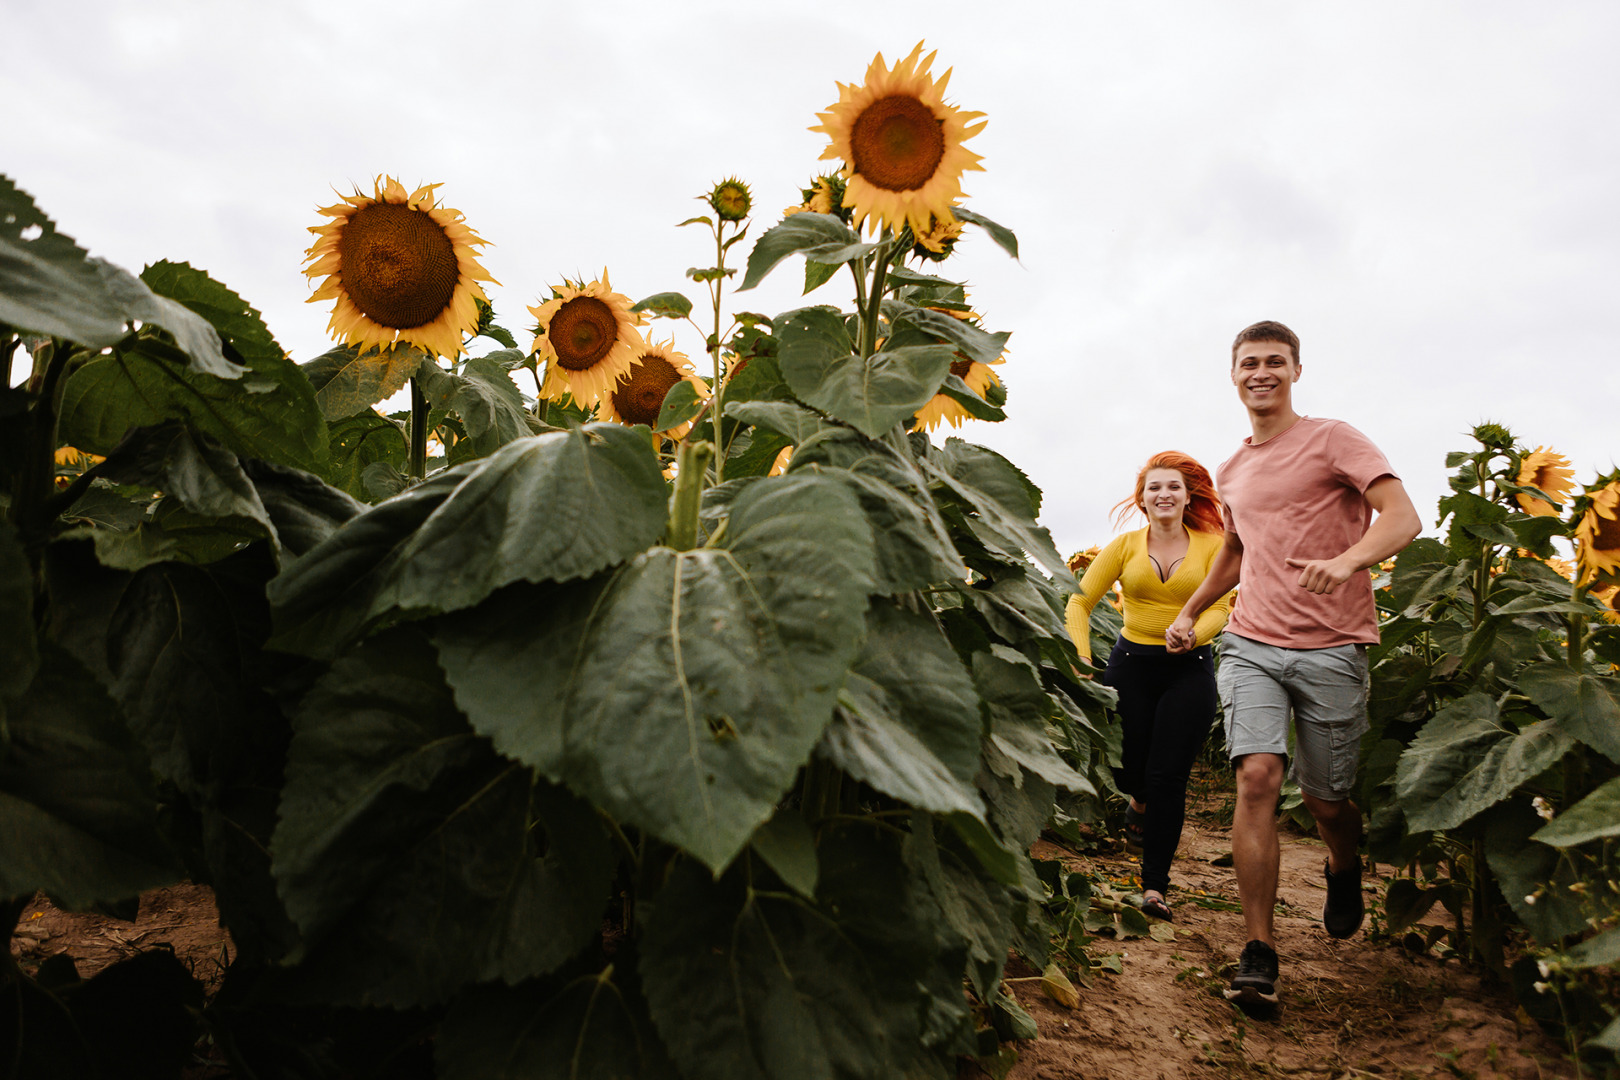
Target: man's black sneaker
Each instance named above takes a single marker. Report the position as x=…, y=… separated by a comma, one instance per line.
x=1256, y=978
x=1342, y=911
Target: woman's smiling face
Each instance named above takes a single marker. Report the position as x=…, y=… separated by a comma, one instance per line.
x=1164, y=495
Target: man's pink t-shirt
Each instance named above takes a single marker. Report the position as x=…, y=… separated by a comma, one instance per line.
x=1301, y=495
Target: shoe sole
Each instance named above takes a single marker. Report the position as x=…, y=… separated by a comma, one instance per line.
x=1250, y=995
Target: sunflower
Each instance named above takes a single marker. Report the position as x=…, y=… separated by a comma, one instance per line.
x=730, y=199
x=1609, y=597
x=938, y=242
x=587, y=336
x=825, y=195
x=1082, y=559
x=1597, y=535
x=400, y=269
x=978, y=377
x=639, y=395
x=901, y=144
x=1546, y=471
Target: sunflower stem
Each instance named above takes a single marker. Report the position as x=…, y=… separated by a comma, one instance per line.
x=717, y=413
x=1577, y=629
x=419, y=430
x=691, y=469
x=36, y=480
x=874, y=302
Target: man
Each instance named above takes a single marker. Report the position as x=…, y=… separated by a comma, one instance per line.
x=1300, y=494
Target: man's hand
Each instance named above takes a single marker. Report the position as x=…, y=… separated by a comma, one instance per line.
x=1179, y=638
x=1323, y=575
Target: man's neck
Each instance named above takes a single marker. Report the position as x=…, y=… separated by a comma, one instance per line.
x=1267, y=426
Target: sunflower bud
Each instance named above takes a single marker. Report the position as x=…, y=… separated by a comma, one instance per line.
x=731, y=199
x=1494, y=436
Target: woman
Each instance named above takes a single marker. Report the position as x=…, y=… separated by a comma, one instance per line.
x=1166, y=702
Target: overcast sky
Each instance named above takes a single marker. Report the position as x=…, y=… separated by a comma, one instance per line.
x=1428, y=193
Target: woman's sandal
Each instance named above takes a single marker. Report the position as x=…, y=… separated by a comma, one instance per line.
x=1135, y=829
x=1155, y=908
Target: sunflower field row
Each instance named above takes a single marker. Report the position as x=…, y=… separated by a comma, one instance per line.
x=647, y=725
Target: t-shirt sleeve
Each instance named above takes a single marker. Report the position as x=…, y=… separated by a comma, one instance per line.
x=1356, y=460
x=1099, y=578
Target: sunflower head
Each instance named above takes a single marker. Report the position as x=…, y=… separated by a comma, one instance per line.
x=1082, y=559
x=639, y=395
x=979, y=378
x=901, y=144
x=587, y=338
x=937, y=243
x=1546, y=471
x=1597, y=535
x=1493, y=435
x=730, y=199
x=400, y=268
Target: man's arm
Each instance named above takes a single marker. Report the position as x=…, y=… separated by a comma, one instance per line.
x=1396, y=525
x=1221, y=579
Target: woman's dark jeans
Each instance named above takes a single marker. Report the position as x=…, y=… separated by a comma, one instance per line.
x=1166, y=708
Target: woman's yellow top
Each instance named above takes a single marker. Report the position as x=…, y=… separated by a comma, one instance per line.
x=1151, y=605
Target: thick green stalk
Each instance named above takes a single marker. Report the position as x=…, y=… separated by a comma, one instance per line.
x=419, y=430
x=874, y=300
x=692, y=466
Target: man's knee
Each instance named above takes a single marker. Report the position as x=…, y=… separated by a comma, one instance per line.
x=1259, y=777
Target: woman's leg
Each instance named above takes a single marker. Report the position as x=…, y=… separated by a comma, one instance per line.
x=1181, y=722
x=1136, y=704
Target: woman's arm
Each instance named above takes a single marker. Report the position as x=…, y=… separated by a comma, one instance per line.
x=1099, y=578
x=1221, y=579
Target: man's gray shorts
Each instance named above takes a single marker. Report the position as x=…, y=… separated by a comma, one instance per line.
x=1327, y=691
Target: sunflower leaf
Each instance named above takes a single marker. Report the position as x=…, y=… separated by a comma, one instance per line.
x=76, y=805
x=682, y=694
x=486, y=401
x=413, y=858
x=908, y=723
x=785, y=418
x=665, y=305
x=595, y=1023
x=20, y=659
x=347, y=381
x=977, y=344
x=958, y=391
x=681, y=404
x=872, y=393
x=1002, y=235
x=821, y=237
x=1466, y=759
x=357, y=443
x=1593, y=818
x=993, y=489
x=817, y=274
x=1586, y=706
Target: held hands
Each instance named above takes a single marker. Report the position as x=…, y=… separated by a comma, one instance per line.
x=1322, y=575
x=1180, y=638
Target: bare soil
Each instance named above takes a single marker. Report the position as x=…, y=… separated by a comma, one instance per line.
x=1363, y=1009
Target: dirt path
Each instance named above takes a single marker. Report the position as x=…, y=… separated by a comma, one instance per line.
x=1349, y=1009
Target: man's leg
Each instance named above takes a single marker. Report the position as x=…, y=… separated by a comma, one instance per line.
x=1255, y=851
x=1339, y=825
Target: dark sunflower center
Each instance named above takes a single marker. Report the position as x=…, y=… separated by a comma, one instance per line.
x=897, y=143
x=638, y=398
x=1606, y=537
x=582, y=332
x=960, y=368
x=398, y=266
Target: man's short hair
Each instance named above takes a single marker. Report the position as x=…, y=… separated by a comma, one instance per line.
x=1266, y=331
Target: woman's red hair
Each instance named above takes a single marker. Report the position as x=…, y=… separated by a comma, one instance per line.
x=1203, y=511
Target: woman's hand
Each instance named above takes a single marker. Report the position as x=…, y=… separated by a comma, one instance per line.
x=1180, y=638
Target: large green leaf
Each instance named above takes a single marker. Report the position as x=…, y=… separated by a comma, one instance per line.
x=50, y=286
x=78, y=818
x=1003, y=236
x=346, y=381
x=913, y=543
x=973, y=343
x=1019, y=707
x=360, y=441
x=323, y=601
x=976, y=911
x=873, y=393
x=1533, y=878
x=786, y=418
x=1466, y=760
x=202, y=476
x=19, y=659
x=821, y=237
x=416, y=860
x=1593, y=818
x=560, y=506
x=752, y=984
x=591, y=1027
x=909, y=723
x=1586, y=706
x=485, y=398
x=986, y=484
x=682, y=694
x=148, y=383
x=304, y=509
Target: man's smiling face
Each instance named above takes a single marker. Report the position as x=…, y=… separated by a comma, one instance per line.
x=1264, y=373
